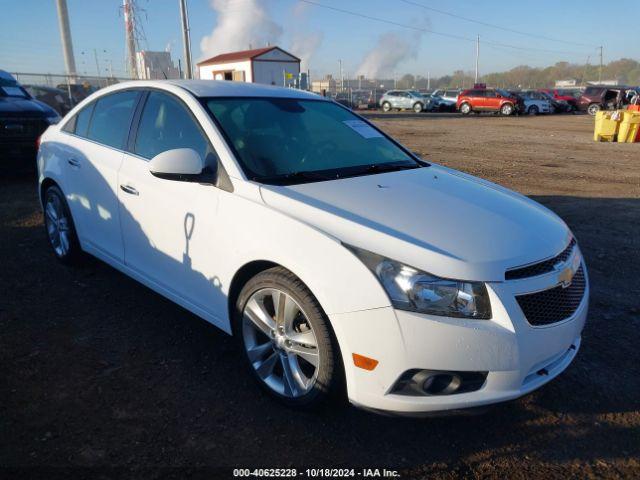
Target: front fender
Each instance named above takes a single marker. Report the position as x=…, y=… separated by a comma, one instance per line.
x=336, y=277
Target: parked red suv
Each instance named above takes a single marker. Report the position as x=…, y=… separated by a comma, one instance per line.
x=488, y=100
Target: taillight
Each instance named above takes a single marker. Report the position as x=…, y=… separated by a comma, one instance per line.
x=38, y=142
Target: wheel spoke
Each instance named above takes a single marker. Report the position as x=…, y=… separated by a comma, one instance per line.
x=258, y=352
x=51, y=212
x=310, y=354
x=293, y=383
x=290, y=311
x=64, y=242
x=265, y=369
x=279, y=302
x=258, y=316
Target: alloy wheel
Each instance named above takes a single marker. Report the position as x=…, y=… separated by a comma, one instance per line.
x=57, y=224
x=507, y=109
x=593, y=108
x=280, y=342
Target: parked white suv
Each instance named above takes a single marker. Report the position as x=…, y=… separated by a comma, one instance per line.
x=329, y=250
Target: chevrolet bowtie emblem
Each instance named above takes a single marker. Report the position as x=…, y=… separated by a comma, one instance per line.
x=567, y=270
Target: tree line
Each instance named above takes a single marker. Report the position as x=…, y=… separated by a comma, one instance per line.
x=626, y=71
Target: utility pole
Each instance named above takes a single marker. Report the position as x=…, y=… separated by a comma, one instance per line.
x=65, y=36
x=341, y=76
x=186, y=39
x=129, y=29
x=428, y=80
x=600, y=70
x=477, y=56
x=95, y=55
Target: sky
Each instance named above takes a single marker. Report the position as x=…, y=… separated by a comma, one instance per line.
x=410, y=39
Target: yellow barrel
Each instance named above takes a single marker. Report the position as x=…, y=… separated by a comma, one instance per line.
x=629, y=127
x=607, y=124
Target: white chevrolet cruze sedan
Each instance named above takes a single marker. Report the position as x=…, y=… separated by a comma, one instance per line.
x=329, y=250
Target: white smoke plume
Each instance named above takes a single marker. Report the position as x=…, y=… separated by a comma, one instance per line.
x=390, y=50
x=387, y=53
x=240, y=24
x=304, y=44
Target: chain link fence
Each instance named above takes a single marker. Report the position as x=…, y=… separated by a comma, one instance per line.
x=73, y=88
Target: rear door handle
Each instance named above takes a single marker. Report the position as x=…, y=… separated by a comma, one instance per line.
x=73, y=162
x=129, y=189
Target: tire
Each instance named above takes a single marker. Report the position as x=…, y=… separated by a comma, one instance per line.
x=266, y=337
x=593, y=109
x=533, y=110
x=59, y=226
x=386, y=107
x=465, y=109
x=506, y=109
x=418, y=107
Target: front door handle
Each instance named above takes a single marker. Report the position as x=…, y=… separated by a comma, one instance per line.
x=73, y=162
x=129, y=189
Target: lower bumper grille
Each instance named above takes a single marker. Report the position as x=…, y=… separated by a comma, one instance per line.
x=553, y=305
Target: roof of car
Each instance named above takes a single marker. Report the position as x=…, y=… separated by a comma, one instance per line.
x=222, y=88
x=225, y=88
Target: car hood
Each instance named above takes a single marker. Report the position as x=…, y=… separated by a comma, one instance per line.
x=436, y=219
x=24, y=107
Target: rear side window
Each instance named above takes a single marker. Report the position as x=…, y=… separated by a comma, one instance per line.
x=166, y=124
x=82, y=120
x=111, y=118
x=79, y=124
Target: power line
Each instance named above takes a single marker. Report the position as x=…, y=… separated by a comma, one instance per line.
x=499, y=27
x=434, y=32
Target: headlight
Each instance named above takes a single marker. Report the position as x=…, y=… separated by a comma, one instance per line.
x=417, y=291
x=52, y=120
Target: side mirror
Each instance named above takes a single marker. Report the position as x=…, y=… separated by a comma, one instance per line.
x=178, y=164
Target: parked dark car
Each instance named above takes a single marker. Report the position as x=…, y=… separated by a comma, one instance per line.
x=597, y=98
x=78, y=91
x=54, y=97
x=22, y=120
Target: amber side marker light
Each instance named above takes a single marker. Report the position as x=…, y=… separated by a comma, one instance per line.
x=363, y=362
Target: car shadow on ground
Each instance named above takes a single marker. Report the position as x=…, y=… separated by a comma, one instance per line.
x=97, y=370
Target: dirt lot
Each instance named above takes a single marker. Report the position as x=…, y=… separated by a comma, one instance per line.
x=96, y=371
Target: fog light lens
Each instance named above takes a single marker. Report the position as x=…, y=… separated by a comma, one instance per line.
x=418, y=382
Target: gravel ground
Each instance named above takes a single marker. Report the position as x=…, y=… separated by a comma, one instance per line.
x=100, y=375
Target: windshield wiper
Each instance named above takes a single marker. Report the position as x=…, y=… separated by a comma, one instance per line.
x=294, y=176
x=381, y=168
x=390, y=167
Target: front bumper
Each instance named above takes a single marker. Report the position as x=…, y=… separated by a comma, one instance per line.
x=518, y=357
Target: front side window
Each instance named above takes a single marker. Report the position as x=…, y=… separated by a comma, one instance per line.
x=166, y=124
x=111, y=118
x=276, y=137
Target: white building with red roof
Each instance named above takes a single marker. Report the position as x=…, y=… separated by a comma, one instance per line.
x=269, y=66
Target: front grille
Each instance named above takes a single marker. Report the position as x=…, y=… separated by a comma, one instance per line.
x=540, y=268
x=555, y=304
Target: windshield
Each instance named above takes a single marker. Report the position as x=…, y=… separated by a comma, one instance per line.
x=278, y=140
x=504, y=93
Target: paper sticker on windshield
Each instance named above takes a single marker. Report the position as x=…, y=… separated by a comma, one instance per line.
x=364, y=129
